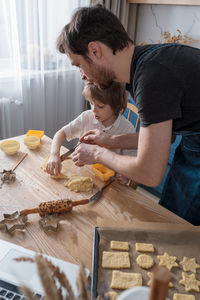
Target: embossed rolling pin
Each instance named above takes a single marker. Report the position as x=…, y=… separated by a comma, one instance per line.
x=53, y=207
x=60, y=206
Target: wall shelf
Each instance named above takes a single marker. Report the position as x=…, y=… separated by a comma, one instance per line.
x=172, y=2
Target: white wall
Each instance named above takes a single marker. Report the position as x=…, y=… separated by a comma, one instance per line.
x=152, y=20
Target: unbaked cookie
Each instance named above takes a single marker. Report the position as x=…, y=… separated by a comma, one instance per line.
x=167, y=261
x=143, y=247
x=115, y=260
x=189, y=264
x=145, y=261
x=183, y=297
x=190, y=282
x=117, y=245
x=123, y=280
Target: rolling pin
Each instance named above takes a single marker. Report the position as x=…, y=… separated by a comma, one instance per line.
x=53, y=207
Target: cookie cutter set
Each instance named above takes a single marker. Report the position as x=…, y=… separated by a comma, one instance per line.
x=17, y=222
x=48, y=211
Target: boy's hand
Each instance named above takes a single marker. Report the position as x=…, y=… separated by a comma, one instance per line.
x=54, y=165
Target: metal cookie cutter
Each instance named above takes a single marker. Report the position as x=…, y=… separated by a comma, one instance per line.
x=10, y=175
x=50, y=222
x=10, y=218
x=7, y=176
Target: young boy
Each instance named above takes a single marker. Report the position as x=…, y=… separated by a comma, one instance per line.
x=105, y=114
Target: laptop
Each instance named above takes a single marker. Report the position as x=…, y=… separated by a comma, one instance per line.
x=14, y=274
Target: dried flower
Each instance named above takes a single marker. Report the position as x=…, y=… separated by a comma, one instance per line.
x=178, y=38
x=55, y=282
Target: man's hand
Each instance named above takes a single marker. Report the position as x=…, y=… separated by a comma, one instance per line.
x=97, y=137
x=86, y=154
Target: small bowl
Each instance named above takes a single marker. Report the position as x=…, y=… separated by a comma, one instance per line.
x=32, y=142
x=10, y=147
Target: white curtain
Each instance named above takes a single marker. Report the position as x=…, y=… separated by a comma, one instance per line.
x=35, y=79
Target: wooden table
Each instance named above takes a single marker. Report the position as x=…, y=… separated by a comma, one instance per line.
x=73, y=241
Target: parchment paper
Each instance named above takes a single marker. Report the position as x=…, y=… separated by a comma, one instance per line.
x=178, y=242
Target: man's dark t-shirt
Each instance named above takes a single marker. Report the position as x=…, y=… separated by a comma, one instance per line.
x=165, y=85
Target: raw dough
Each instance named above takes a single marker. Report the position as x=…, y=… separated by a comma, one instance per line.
x=78, y=183
x=117, y=245
x=145, y=261
x=115, y=260
x=183, y=297
x=123, y=280
x=190, y=282
x=143, y=247
x=167, y=261
x=189, y=264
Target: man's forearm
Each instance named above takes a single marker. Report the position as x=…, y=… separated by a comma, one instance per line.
x=125, y=141
x=126, y=165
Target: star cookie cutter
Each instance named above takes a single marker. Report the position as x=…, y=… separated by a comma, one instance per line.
x=10, y=175
x=46, y=222
x=7, y=176
x=10, y=218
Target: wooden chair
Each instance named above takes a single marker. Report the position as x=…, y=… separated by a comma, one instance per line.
x=133, y=109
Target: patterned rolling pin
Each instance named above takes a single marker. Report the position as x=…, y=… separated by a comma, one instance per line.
x=53, y=207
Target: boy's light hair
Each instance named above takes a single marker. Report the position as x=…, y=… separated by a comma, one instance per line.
x=116, y=95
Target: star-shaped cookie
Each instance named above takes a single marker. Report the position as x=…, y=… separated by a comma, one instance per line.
x=190, y=282
x=167, y=261
x=189, y=264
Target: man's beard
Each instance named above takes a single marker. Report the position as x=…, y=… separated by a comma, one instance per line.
x=103, y=77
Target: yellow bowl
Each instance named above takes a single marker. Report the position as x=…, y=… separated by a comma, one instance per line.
x=10, y=147
x=32, y=142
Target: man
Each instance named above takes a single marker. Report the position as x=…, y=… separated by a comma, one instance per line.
x=164, y=82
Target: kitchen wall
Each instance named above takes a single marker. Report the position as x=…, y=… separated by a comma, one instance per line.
x=153, y=20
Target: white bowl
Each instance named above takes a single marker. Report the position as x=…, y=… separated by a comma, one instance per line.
x=136, y=293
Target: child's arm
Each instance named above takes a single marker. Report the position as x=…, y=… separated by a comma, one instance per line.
x=54, y=162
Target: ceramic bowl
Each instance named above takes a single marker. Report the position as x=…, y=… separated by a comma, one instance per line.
x=10, y=147
x=32, y=142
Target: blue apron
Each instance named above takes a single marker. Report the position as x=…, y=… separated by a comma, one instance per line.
x=181, y=192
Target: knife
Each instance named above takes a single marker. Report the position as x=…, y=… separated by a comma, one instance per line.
x=65, y=205
x=100, y=191
x=66, y=154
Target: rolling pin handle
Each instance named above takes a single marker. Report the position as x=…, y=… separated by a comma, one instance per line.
x=29, y=211
x=80, y=202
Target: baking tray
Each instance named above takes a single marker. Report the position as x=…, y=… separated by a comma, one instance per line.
x=173, y=239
